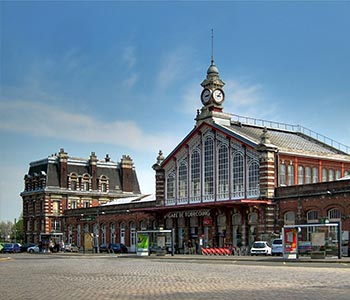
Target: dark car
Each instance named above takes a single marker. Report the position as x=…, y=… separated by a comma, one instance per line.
x=115, y=248
x=11, y=248
x=25, y=247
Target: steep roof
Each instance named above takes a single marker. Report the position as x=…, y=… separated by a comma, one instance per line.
x=288, y=141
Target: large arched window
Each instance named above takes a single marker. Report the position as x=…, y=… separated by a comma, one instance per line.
x=209, y=168
x=253, y=179
x=182, y=182
x=170, y=187
x=223, y=165
x=195, y=176
x=237, y=175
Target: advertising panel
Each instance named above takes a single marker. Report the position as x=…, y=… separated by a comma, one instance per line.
x=142, y=244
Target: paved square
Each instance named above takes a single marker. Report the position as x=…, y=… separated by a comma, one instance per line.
x=109, y=277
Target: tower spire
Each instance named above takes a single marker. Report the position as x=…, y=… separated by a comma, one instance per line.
x=212, y=46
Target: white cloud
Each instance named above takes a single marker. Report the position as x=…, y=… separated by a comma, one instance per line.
x=129, y=57
x=174, y=66
x=43, y=120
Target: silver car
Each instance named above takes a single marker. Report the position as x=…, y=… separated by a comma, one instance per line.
x=277, y=247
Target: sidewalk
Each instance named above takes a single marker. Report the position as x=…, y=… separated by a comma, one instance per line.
x=237, y=258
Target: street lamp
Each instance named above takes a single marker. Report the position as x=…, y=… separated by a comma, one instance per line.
x=98, y=230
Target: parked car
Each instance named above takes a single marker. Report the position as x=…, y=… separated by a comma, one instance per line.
x=260, y=248
x=12, y=248
x=25, y=247
x=71, y=248
x=33, y=249
x=277, y=247
x=115, y=248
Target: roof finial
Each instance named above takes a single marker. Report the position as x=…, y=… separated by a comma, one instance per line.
x=212, y=46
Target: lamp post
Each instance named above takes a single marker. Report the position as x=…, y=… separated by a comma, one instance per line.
x=98, y=230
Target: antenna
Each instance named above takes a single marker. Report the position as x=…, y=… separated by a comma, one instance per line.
x=212, y=46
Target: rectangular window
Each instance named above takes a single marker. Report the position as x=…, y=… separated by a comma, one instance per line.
x=290, y=175
x=300, y=175
x=307, y=175
x=314, y=175
x=283, y=175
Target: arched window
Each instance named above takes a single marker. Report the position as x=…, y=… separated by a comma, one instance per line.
x=209, y=168
x=290, y=175
x=195, y=176
x=73, y=181
x=236, y=219
x=330, y=175
x=112, y=233
x=182, y=182
x=312, y=216
x=253, y=179
x=103, y=234
x=170, y=187
x=307, y=175
x=223, y=164
x=104, y=183
x=334, y=214
x=324, y=175
x=337, y=174
x=253, y=218
x=237, y=175
x=86, y=182
x=300, y=175
x=143, y=225
x=289, y=218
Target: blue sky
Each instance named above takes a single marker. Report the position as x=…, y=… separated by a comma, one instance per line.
x=124, y=77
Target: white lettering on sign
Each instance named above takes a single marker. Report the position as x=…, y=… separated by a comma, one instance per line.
x=188, y=214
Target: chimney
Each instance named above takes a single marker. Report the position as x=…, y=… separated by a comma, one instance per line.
x=63, y=158
x=127, y=173
x=93, y=170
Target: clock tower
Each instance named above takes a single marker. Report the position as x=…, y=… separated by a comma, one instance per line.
x=212, y=97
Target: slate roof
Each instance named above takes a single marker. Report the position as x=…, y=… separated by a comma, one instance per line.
x=287, y=141
x=80, y=166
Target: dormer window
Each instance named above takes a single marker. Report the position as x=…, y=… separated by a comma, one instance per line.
x=86, y=182
x=73, y=181
x=104, y=184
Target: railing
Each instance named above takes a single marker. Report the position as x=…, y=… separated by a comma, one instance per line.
x=293, y=128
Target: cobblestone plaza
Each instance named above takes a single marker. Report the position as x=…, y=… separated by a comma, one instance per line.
x=112, y=277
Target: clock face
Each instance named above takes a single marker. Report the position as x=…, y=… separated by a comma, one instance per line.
x=218, y=96
x=205, y=97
